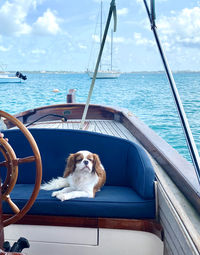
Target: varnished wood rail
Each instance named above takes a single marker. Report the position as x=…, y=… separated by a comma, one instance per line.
x=1, y=223
x=147, y=225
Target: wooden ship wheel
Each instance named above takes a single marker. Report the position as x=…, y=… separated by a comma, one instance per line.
x=11, y=163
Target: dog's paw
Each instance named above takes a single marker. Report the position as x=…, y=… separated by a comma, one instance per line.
x=55, y=193
x=46, y=186
x=62, y=196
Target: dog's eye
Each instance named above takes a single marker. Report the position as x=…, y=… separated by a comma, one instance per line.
x=79, y=159
x=90, y=159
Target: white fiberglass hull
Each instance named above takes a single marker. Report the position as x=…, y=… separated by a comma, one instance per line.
x=90, y=241
x=6, y=78
x=105, y=74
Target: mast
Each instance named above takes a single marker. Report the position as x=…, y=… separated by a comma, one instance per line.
x=111, y=50
x=101, y=22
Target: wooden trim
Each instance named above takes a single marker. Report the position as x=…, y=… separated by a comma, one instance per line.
x=74, y=111
x=11, y=253
x=146, y=225
x=70, y=111
x=1, y=236
x=56, y=221
x=1, y=223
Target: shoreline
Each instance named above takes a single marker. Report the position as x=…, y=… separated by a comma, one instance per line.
x=83, y=72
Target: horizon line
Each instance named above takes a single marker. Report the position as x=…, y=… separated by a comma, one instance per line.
x=123, y=72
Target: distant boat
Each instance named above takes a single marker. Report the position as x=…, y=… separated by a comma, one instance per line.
x=18, y=77
x=109, y=73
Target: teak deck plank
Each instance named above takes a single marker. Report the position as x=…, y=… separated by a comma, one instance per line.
x=109, y=127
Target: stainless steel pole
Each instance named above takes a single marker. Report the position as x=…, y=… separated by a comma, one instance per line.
x=186, y=127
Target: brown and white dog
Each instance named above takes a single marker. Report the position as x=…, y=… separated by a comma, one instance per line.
x=84, y=175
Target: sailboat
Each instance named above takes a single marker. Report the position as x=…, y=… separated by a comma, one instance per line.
x=108, y=73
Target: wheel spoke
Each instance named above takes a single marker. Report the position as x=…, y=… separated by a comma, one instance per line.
x=4, y=163
x=18, y=161
x=23, y=160
x=12, y=205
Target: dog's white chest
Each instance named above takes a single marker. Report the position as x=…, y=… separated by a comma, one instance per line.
x=83, y=180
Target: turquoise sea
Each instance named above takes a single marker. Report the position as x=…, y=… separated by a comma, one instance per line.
x=147, y=95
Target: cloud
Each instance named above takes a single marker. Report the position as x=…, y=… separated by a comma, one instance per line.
x=96, y=38
x=35, y=3
x=99, y=1
x=81, y=46
x=139, y=40
x=116, y=39
x=12, y=17
x=2, y=48
x=48, y=24
x=158, y=1
x=122, y=11
x=141, y=3
x=38, y=51
x=181, y=28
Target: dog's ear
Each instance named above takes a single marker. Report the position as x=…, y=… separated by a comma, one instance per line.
x=70, y=166
x=97, y=167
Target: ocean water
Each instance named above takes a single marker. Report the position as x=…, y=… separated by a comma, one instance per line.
x=147, y=95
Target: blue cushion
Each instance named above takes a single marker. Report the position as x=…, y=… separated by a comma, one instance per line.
x=140, y=172
x=125, y=162
x=111, y=201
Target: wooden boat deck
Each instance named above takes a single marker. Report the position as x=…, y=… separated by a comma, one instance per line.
x=108, y=127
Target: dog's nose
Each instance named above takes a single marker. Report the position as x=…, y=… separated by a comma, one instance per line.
x=85, y=162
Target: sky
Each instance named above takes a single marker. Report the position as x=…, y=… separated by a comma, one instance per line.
x=58, y=35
